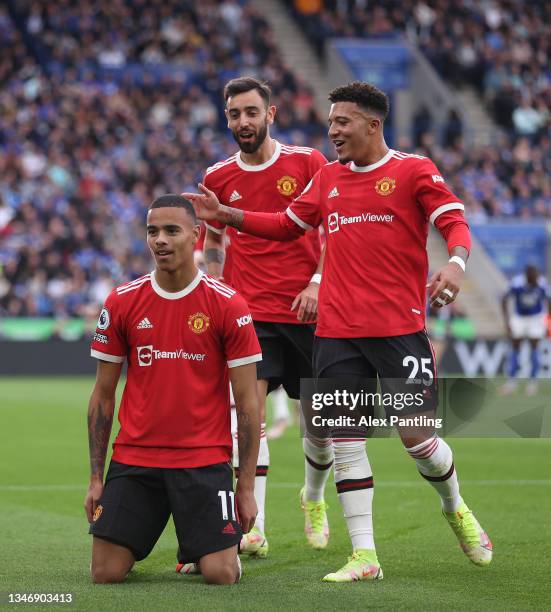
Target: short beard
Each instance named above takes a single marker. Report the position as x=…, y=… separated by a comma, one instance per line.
x=252, y=147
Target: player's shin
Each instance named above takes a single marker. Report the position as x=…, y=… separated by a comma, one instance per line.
x=514, y=362
x=254, y=543
x=354, y=481
x=262, y=466
x=534, y=362
x=318, y=459
x=434, y=461
x=235, y=447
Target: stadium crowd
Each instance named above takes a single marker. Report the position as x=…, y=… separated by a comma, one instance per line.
x=107, y=104
x=500, y=47
x=83, y=152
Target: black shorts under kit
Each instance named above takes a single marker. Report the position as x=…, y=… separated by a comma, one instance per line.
x=286, y=355
x=138, y=501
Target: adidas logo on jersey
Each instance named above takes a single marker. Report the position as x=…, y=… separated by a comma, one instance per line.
x=145, y=323
x=235, y=196
x=333, y=193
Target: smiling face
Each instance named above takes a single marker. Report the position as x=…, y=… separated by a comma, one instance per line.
x=248, y=119
x=171, y=238
x=352, y=129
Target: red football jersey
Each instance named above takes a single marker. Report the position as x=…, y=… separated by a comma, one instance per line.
x=175, y=409
x=268, y=274
x=376, y=220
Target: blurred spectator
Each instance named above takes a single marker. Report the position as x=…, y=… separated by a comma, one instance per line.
x=499, y=47
x=527, y=121
x=85, y=146
x=453, y=130
x=308, y=7
x=422, y=124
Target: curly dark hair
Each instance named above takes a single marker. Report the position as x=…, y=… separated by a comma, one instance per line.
x=363, y=94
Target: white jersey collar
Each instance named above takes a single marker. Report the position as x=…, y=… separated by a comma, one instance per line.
x=266, y=164
x=374, y=166
x=169, y=295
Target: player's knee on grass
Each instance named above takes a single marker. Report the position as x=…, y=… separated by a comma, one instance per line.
x=110, y=562
x=220, y=567
x=109, y=572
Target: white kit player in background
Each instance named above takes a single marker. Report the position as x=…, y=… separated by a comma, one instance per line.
x=525, y=306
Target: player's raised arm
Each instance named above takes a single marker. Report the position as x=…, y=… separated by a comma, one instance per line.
x=243, y=380
x=100, y=419
x=272, y=226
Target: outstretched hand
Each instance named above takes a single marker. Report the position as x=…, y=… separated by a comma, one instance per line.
x=206, y=204
x=444, y=285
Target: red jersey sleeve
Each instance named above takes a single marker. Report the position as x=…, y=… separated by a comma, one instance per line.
x=306, y=210
x=214, y=226
x=241, y=345
x=432, y=193
x=109, y=343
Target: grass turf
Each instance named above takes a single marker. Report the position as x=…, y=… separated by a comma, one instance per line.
x=45, y=547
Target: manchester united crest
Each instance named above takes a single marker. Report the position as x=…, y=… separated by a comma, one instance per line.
x=385, y=186
x=198, y=322
x=97, y=513
x=287, y=185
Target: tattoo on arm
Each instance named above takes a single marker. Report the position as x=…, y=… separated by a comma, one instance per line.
x=245, y=444
x=214, y=256
x=100, y=419
x=231, y=216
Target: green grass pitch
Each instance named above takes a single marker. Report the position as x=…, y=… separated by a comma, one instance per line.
x=45, y=547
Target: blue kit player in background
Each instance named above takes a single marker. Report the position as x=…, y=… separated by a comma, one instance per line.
x=525, y=308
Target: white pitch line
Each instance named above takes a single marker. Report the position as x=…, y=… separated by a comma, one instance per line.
x=415, y=483
x=397, y=484
x=44, y=487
